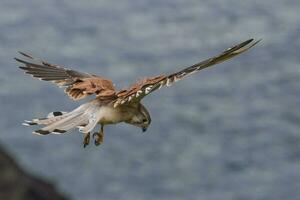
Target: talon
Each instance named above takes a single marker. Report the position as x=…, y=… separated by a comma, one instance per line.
x=97, y=143
x=98, y=138
x=86, y=139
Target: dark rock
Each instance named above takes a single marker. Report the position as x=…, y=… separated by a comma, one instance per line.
x=16, y=184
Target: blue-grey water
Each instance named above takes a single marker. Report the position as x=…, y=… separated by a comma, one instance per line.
x=229, y=132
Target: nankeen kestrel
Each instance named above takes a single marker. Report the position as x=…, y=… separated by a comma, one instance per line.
x=110, y=106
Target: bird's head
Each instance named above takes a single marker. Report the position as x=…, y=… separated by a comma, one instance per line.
x=141, y=118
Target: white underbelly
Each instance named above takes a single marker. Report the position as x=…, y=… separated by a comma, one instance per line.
x=110, y=115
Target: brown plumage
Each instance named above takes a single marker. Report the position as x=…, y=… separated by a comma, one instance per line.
x=78, y=85
x=109, y=106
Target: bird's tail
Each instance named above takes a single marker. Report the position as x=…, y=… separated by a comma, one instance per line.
x=85, y=117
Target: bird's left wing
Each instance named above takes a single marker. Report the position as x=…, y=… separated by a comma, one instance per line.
x=139, y=90
x=78, y=85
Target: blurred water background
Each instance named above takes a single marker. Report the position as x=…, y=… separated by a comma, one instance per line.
x=229, y=132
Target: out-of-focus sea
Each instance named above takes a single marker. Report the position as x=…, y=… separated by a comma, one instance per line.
x=229, y=132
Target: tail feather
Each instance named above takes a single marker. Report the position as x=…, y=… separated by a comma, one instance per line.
x=59, y=122
x=51, y=118
x=79, y=122
x=55, y=114
x=59, y=126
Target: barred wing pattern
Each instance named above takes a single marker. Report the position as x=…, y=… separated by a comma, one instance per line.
x=139, y=90
x=77, y=85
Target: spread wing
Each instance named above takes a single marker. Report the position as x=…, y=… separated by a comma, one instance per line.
x=77, y=85
x=139, y=90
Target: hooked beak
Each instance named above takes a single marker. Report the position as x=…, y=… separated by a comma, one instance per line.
x=144, y=129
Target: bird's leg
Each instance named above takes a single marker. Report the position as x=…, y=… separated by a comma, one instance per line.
x=86, y=139
x=99, y=136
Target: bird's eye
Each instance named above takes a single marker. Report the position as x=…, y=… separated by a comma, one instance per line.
x=145, y=120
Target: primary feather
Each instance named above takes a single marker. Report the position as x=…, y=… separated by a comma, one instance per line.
x=78, y=84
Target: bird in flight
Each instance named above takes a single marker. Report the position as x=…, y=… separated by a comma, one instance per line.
x=109, y=106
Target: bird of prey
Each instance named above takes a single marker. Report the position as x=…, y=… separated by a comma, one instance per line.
x=109, y=105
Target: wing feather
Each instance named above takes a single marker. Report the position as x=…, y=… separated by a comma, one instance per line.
x=139, y=90
x=78, y=84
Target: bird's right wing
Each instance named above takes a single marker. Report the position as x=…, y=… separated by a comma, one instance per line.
x=77, y=85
